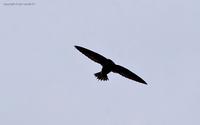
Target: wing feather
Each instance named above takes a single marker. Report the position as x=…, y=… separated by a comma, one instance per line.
x=127, y=73
x=92, y=55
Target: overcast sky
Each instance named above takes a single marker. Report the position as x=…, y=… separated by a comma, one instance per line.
x=44, y=80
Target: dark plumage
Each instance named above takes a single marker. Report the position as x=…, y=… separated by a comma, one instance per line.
x=108, y=66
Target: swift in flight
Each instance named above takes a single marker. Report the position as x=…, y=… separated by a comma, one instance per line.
x=108, y=66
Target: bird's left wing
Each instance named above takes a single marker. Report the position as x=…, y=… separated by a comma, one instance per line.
x=92, y=55
x=127, y=73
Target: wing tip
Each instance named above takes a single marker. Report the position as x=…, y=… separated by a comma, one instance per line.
x=143, y=82
x=76, y=46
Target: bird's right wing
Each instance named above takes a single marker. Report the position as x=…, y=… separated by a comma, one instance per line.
x=127, y=73
x=92, y=55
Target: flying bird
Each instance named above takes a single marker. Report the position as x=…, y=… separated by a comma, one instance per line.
x=108, y=66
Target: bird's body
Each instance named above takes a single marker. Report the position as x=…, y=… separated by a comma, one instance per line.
x=108, y=66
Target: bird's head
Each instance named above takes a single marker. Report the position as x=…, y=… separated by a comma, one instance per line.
x=111, y=62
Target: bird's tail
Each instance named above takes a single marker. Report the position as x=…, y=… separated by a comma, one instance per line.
x=101, y=76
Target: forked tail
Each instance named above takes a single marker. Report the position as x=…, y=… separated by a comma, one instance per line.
x=101, y=76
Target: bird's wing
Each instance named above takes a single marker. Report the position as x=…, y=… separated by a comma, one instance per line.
x=127, y=73
x=92, y=55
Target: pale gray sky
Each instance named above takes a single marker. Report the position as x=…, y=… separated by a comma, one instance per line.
x=44, y=80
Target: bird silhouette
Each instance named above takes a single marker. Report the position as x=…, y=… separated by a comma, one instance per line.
x=108, y=66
